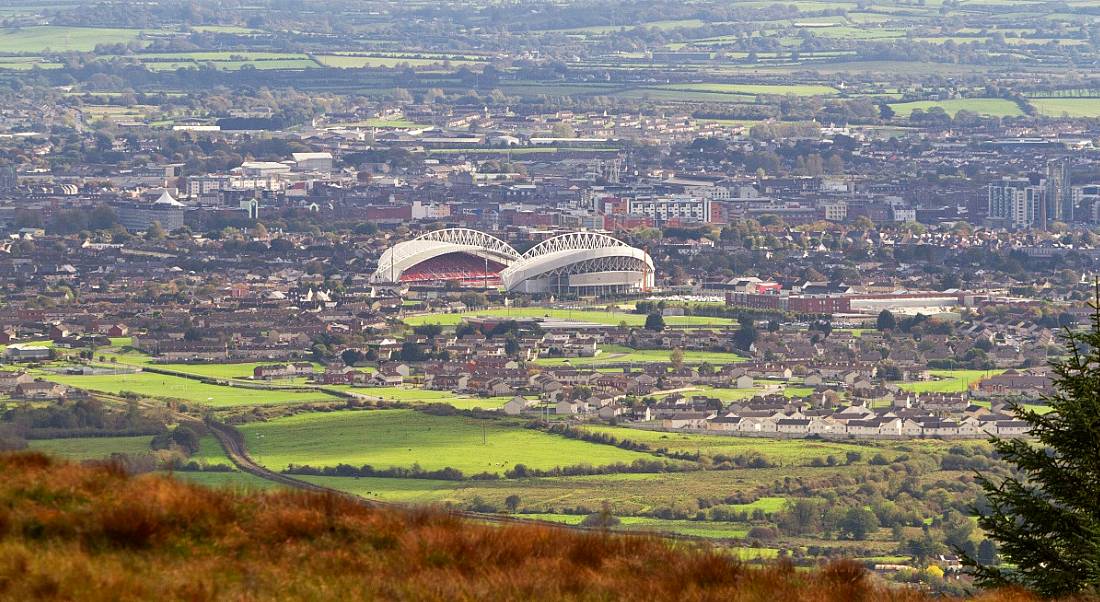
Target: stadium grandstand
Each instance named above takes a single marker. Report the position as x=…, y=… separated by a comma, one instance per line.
x=460, y=255
x=580, y=263
x=577, y=263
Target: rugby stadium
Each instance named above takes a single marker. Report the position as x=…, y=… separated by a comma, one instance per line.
x=575, y=263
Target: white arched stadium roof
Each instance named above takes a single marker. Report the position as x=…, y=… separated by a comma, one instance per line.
x=406, y=255
x=562, y=251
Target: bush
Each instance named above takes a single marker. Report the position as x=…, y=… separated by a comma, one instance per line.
x=763, y=533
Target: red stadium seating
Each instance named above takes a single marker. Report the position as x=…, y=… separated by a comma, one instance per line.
x=455, y=267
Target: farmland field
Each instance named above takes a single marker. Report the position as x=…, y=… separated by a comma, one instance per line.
x=614, y=354
x=402, y=438
x=597, y=317
x=997, y=107
x=1073, y=107
x=628, y=493
x=236, y=480
x=343, y=61
x=786, y=452
x=176, y=387
x=227, y=370
x=948, y=381
x=38, y=39
x=92, y=448
x=709, y=529
x=756, y=89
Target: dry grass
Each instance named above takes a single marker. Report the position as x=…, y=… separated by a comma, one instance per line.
x=93, y=533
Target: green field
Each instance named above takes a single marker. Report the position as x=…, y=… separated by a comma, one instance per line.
x=40, y=38
x=24, y=63
x=388, y=438
x=210, y=452
x=756, y=89
x=604, y=29
x=226, y=371
x=628, y=493
x=176, y=387
x=578, y=315
x=996, y=107
x=343, y=61
x=92, y=448
x=405, y=491
x=235, y=480
x=948, y=381
x=1072, y=107
x=709, y=529
x=615, y=354
x=393, y=123
x=787, y=452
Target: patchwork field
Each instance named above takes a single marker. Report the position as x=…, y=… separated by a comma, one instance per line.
x=628, y=494
x=615, y=354
x=402, y=438
x=996, y=107
x=756, y=89
x=1071, y=107
x=92, y=448
x=786, y=452
x=343, y=61
x=949, y=381
x=575, y=315
x=176, y=387
x=37, y=39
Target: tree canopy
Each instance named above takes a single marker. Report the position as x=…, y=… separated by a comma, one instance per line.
x=1046, y=518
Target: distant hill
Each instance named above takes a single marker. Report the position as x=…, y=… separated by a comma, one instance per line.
x=94, y=533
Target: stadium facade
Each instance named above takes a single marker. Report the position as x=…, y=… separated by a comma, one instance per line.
x=576, y=263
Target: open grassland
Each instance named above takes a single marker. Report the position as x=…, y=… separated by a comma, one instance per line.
x=113, y=536
x=402, y=438
x=148, y=384
x=572, y=315
x=42, y=38
x=657, y=94
x=605, y=29
x=628, y=494
x=1071, y=107
x=229, y=480
x=615, y=354
x=996, y=107
x=210, y=452
x=761, y=387
x=708, y=529
x=24, y=63
x=756, y=89
x=344, y=61
x=227, y=371
x=92, y=448
x=948, y=381
x=786, y=452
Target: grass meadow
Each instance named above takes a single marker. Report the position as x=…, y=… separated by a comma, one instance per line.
x=176, y=387
x=612, y=318
x=40, y=38
x=996, y=107
x=948, y=381
x=402, y=438
x=91, y=448
x=1071, y=107
x=784, y=452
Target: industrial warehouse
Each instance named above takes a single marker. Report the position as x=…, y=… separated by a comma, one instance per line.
x=575, y=263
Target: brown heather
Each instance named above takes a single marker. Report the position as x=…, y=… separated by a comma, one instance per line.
x=72, y=532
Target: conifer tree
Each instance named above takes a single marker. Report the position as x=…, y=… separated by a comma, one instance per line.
x=1045, y=517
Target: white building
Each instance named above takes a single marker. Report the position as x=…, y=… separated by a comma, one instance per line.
x=315, y=162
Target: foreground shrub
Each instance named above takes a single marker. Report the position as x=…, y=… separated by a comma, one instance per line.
x=71, y=532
